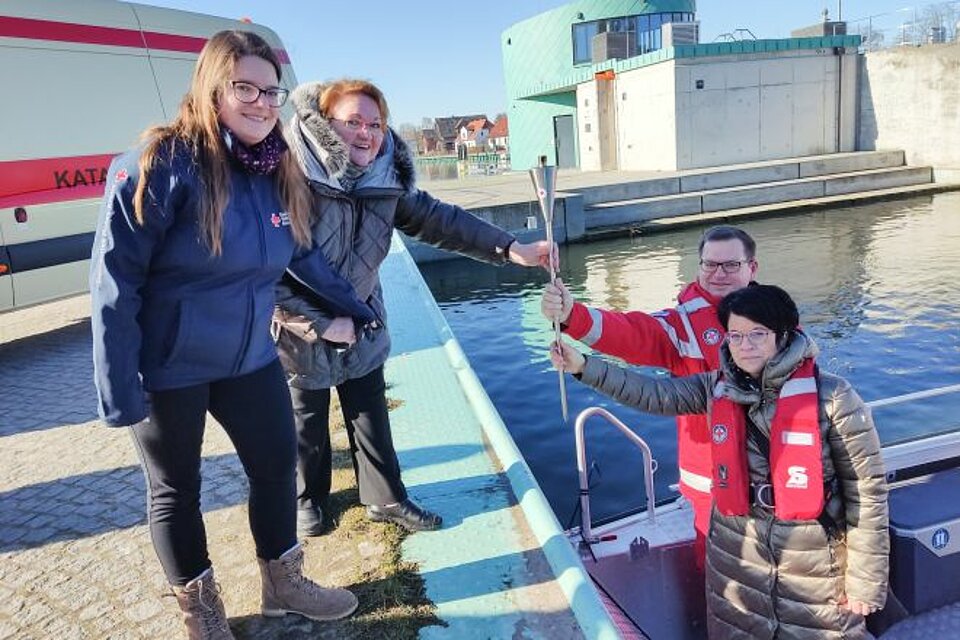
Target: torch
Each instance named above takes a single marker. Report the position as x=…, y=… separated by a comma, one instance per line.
x=545, y=184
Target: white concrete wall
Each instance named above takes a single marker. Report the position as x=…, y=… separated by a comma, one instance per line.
x=646, y=117
x=608, y=124
x=850, y=115
x=754, y=108
x=750, y=107
x=910, y=100
x=588, y=126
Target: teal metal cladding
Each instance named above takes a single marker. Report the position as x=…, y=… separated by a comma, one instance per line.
x=538, y=52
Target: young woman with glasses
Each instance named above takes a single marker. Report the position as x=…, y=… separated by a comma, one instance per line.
x=363, y=182
x=798, y=543
x=196, y=227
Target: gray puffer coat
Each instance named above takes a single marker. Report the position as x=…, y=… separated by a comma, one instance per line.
x=354, y=230
x=772, y=578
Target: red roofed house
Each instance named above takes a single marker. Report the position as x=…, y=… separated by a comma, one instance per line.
x=448, y=131
x=475, y=133
x=500, y=134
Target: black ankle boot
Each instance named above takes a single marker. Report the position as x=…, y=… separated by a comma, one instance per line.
x=408, y=514
x=309, y=521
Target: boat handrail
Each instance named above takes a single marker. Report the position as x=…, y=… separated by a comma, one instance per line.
x=649, y=468
x=916, y=395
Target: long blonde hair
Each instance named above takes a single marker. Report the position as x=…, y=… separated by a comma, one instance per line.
x=197, y=126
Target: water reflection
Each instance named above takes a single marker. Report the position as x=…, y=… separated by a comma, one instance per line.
x=876, y=285
x=444, y=168
x=436, y=171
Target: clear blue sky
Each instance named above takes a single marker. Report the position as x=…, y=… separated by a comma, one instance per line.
x=442, y=57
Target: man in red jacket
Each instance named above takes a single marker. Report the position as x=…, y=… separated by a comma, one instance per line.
x=684, y=340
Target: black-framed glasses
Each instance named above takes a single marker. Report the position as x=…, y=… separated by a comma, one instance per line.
x=249, y=93
x=356, y=124
x=730, y=266
x=754, y=337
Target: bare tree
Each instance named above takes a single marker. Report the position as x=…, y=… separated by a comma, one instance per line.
x=410, y=134
x=872, y=38
x=938, y=22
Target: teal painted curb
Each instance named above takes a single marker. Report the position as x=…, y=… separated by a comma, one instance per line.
x=584, y=600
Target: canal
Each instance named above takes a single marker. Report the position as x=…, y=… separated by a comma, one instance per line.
x=878, y=287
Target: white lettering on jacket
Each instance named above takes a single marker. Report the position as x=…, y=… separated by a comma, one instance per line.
x=798, y=477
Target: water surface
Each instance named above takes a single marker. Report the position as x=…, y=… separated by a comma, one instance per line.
x=878, y=287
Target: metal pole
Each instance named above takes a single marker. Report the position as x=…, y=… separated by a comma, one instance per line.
x=917, y=395
x=545, y=184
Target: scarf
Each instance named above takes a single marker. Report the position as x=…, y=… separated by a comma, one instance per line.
x=262, y=158
x=351, y=176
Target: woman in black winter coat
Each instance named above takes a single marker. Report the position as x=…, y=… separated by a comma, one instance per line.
x=362, y=176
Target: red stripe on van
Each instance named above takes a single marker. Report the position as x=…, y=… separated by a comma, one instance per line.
x=68, y=32
x=47, y=197
x=45, y=180
x=33, y=29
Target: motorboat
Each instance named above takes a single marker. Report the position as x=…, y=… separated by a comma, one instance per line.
x=644, y=567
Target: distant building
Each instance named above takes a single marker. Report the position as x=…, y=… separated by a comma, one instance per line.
x=448, y=130
x=617, y=84
x=431, y=141
x=500, y=134
x=474, y=134
x=824, y=28
x=545, y=57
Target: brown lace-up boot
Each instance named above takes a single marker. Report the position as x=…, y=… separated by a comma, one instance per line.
x=202, y=609
x=286, y=590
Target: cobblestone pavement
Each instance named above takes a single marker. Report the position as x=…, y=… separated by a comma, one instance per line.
x=75, y=554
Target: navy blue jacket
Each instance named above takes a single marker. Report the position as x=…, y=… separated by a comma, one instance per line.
x=166, y=312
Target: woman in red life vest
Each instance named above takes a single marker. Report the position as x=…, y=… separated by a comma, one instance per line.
x=798, y=544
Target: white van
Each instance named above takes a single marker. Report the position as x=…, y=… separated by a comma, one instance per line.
x=81, y=80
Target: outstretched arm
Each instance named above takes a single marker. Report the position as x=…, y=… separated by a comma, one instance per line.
x=452, y=228
x=637, y=338
x=534, y=254
x=660, y=396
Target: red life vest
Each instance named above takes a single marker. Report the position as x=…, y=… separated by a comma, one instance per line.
x=796, y=466
x=694, y=329
x=695, y=332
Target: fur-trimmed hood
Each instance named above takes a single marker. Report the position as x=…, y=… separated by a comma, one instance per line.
x=324, y=156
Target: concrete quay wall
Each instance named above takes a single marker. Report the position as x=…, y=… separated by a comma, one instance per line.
x=910, y=100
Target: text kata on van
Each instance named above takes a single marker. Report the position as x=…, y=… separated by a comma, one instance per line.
x=76, y=177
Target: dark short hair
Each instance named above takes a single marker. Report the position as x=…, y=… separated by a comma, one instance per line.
x=726, y=232
x=765, y=304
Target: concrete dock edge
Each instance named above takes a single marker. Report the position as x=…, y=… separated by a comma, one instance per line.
x=583, y=598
